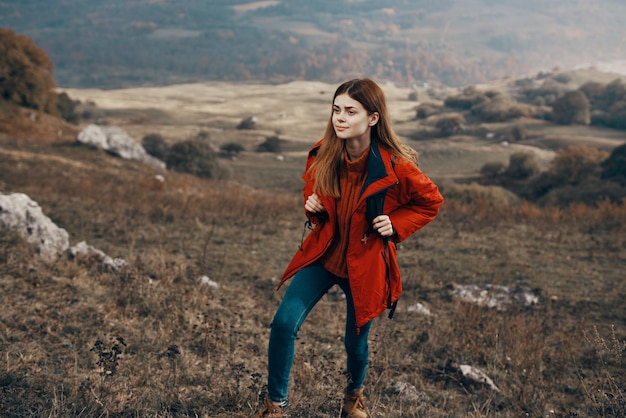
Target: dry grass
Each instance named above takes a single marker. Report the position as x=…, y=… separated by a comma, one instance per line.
x=153, y=341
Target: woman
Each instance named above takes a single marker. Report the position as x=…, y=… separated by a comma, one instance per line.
x=363, y=193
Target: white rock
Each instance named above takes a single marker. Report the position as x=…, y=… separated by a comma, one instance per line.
x=21, y=214
x=117, y=142
x=407, y=391
x=112, y=264
x=478, y=376
x=105, y=263
x=93, y=135
x=420, y=309
x=84, y=249
x=205, y=280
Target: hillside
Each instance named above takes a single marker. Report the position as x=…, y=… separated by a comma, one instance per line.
x=154, y=339
x=118, y=43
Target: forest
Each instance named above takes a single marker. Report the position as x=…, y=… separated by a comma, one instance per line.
x=120, y=43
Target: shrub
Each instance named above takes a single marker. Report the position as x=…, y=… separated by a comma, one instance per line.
x=195, y=157
x=537, y=186
x=66, y=108
x=539, y=101
x=562, y=78
x=203, y=136
x=26, y=73
x=413, y=96
x=271, y=144
x=523, y=82
x=616, y=117
x=231, y=148
x=500, y=109
x=450, y=124
x=614, y=92
x=594, y=91
x=600, y=118
x=155, y=145
x=521, y=166
x=589, y=194
x=542, y=112
x=468, y=98
x=518, y=132
x=572, y=108
x=424, y=133
x=548, y=92
x=426, y=110
x=460, y=102
x=492, y=170
x=614, y=167
x=576, y=165
x=474, y=193
x=491, y=94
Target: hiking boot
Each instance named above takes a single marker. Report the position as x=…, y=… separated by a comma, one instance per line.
x=354, y=405
x=271, y=410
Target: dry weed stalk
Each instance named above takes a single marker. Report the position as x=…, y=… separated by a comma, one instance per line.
x=605, y=389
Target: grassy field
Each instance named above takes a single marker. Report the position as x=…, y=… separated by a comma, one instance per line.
x=154, y=341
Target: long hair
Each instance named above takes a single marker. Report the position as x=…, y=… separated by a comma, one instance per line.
x=330, y=158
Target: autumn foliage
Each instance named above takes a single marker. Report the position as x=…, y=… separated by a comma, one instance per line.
x=26, y=73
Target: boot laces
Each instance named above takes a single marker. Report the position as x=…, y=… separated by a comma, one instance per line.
x=358, y=403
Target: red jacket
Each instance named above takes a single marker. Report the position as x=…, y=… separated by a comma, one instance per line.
x=411, y=200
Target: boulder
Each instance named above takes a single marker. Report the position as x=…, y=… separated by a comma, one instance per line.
x=117, y=142
x=21, y=214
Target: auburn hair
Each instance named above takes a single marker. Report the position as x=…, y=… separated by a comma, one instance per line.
x=329, y=161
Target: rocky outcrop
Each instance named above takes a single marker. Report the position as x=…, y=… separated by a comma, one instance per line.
x=21, y=214
x=117, y=142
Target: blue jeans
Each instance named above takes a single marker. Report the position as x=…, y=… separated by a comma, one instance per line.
x=306, y=289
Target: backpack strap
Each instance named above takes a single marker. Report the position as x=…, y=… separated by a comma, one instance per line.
x=374, y=207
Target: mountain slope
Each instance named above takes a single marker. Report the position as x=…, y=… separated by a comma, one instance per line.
x=457, y=42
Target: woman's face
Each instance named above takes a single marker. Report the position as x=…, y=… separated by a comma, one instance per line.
x=350, y=119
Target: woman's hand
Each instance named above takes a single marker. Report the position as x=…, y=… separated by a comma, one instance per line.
x=382, y=224
x=314, y=204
